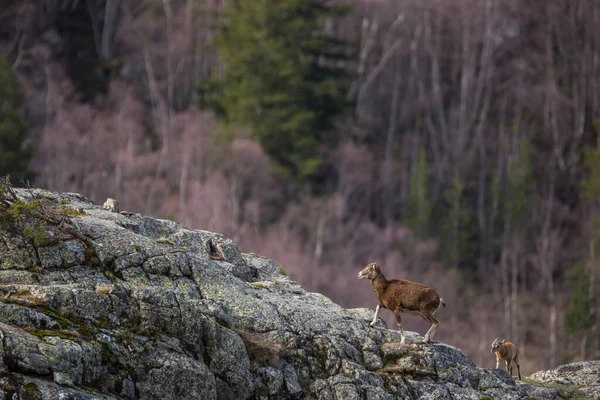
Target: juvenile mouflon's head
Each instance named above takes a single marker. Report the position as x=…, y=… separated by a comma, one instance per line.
x=496, y=344
x=369, y=272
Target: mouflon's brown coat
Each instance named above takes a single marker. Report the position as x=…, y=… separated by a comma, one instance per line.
x=401, y=296
x=507, y=352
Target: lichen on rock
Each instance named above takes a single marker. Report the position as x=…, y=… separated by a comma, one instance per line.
x=576, y=380
x=127, y=306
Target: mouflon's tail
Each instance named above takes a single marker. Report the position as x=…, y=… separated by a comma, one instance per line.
x=442, y=301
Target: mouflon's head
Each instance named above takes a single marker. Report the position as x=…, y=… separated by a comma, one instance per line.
x=369, y=272
x=496, y=344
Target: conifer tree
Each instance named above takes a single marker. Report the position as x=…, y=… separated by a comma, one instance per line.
x=14, y=156
x=580, y=312
x=418, y=209
x=284, y=77
x=520, y=190
x=457, y=241
x=590, y=186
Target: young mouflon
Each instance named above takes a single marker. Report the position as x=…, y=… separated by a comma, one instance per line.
x=507, y=352
x=401, y=296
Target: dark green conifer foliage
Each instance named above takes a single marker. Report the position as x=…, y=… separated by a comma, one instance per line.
x=580, y=316
x=458, y=237
x=14, y=156
x=520, y=190
x=580, y=312
x=419, y=208
x=590, y=187
x=284, y=77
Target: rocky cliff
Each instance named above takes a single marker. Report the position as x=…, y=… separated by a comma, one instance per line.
x=98, y=304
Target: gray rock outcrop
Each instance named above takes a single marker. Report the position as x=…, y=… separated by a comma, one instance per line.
x=584, y=376
x=98, y=304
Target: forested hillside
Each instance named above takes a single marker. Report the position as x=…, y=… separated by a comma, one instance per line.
x=453, y=142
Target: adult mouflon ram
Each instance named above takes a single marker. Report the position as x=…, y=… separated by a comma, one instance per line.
x=401, y=296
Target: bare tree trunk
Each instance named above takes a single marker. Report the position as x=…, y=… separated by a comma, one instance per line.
x=109, y=28
x=505, y=290
x=20, y=52
x=104, y=37
x=483, y=341
x=170, y=76
x=593, y=270
x=481, y=211
x=389, y=151
x=507, y=217
x=368, y=34
x=118, y=176
x=569, y=344
x=95, y=27
x=433, y=43
x=236, y=206
x=552, y=298
x=547, y=245
x=545, y=248
x=496, y=182
x=161, y=122
x=385, y=58
x=319, y=240
x=552, y=301
x=515, y=264
x=183, y=180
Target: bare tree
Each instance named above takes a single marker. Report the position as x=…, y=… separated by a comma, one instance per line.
x=105, y=25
